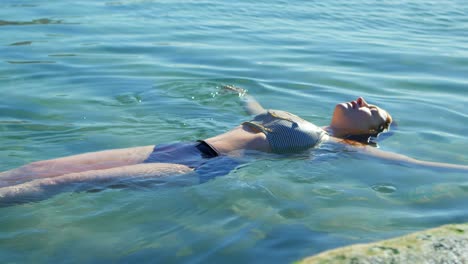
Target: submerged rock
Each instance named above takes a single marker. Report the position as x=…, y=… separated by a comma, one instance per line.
x=445, y=244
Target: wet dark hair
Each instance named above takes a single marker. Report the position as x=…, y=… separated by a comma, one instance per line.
x=373, y=137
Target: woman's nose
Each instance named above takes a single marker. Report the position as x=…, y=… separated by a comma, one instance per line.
x=361, y=102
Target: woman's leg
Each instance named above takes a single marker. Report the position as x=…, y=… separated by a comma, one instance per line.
x=45, y=187
x=76, y=163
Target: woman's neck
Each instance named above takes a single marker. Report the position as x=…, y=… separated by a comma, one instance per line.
x=344, y=136
x=339, y=132
x=335, y=132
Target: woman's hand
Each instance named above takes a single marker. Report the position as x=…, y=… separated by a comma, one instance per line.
x=234, y=89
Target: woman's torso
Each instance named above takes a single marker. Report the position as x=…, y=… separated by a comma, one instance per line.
x=272, y=131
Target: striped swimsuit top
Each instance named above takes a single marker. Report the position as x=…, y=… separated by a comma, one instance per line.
x=286, y=132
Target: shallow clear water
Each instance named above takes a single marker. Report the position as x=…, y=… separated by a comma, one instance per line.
x=78, y=76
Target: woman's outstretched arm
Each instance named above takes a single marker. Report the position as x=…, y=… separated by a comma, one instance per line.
x=251, y=105
x=405, y=160
x=43, y=188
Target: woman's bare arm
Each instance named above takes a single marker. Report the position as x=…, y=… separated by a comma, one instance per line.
x=44, y=187
x=405, y=160
x=251, y=105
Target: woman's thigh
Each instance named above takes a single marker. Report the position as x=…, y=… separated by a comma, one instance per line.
x=78, y=163
x=41, y=188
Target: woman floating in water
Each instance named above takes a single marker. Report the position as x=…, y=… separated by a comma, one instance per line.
x=353, y=124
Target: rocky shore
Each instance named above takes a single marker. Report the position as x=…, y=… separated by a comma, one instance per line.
x=445, y=244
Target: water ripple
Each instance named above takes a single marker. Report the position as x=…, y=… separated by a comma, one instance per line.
x=22, y=43
x=40, y=21
x=31, y=62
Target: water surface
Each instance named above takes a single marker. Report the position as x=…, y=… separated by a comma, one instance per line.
x=91, y=75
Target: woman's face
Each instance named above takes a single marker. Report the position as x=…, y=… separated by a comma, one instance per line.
x=357, y=117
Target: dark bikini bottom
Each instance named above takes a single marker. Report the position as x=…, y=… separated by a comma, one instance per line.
x=199, y=155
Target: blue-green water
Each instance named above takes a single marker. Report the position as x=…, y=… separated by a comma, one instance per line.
x=87, y=75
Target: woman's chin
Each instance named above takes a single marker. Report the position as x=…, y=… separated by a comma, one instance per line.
x=340, y=109
x=342, y=106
